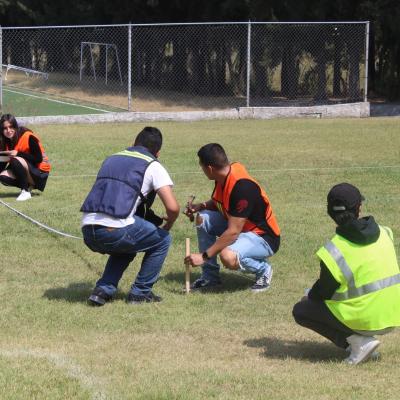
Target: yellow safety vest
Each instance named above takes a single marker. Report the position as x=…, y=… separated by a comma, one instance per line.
x=368, y=297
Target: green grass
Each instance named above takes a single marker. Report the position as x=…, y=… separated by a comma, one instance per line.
x=27, y=103
x=228, y=345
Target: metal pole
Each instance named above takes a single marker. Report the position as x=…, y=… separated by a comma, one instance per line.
x=80, y=69
x=93, y=67
x=366, y=61
x=248, y=64
x=130, y=67
x=190, y=23
x=106, y=61
x=119, y=65
x=1, y=69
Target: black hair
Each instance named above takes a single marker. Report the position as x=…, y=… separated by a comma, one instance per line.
x=213, y=154
x=151, y=138
x=14, y=124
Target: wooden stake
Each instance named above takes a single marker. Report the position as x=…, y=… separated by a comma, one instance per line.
x=187, y=267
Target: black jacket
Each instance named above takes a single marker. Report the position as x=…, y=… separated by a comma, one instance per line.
x=361, y=231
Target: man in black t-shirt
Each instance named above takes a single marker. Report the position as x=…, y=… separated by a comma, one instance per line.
x=237, y=223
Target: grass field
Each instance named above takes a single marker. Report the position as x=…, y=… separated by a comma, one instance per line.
x=228, y=345
x=28, y=103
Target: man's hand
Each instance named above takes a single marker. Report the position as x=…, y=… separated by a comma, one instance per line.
x=195, y=259
x=192, y=209
x=167, y=225
x=171, y=206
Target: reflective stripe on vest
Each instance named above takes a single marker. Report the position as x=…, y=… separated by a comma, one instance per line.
x=136, y=154
x=388, y=231
x=353, y=291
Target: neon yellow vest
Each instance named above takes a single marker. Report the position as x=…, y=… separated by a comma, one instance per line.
x=368, y=297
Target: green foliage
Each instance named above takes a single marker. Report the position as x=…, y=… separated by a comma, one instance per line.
x=383, y=14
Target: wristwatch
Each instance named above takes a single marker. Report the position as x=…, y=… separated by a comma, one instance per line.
x=205, y=256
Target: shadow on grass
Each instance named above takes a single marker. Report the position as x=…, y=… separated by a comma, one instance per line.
x=77, y=292
x=7, y=195
x=277, y=348
x=231, y=282
x=14, y=195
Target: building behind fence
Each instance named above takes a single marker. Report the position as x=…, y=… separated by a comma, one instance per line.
x=190, y=66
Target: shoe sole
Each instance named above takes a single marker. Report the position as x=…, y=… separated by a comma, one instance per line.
x=24, y=199
x=260, y=290
x=94, y=300
x=373, y=346
x=266, y=288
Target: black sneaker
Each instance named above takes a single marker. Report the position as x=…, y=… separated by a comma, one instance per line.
x=99, y=297
x=205, y=284
x=263, y=283
x=145, y=298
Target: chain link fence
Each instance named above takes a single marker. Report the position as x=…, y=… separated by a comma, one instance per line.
x=176, y=67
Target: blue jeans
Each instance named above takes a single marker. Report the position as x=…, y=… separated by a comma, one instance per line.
x=122, y=244
x=252, y=250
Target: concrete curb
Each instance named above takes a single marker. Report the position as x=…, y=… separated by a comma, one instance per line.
x=351, y=110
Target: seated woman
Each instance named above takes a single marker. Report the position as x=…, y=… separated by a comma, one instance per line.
x=24, y=163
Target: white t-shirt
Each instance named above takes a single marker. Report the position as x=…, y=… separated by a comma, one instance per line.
x=155, y=177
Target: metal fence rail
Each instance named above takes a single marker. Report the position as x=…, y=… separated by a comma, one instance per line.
x=159, y=67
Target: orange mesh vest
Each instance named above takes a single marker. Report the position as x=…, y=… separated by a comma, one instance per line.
x=23, y=146
x=222, y=193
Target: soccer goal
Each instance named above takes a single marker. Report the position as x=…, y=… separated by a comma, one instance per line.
x=28, y=71
x=109, y=47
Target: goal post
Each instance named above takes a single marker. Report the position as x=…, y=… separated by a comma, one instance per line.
x=108, y=47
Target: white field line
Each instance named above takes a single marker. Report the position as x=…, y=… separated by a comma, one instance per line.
x=56, y=101
x=47, y=228
x=259, y=170
x=73, y=370
x=187, y=172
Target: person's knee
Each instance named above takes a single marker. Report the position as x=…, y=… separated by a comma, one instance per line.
x=205, y=219
x=229, y=259
x=16, y=162
x=19, y=159
x=199, y=219
x=298, y=312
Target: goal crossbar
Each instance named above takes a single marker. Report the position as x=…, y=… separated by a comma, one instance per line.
x=107, y=46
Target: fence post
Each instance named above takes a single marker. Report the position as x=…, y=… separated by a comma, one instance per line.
x=1, y=69
x=366, y=61
x=248, y=63
x=130, y=67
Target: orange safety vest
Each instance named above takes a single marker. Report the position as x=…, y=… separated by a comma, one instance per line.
x=23, y=147
x=222, y=193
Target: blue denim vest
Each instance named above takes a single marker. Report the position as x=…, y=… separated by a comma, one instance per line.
x=119, y=182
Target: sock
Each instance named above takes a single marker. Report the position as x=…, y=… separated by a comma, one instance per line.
x=20, y=173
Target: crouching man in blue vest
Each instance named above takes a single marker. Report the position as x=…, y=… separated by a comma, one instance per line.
x=357, y=295
x=117, y=219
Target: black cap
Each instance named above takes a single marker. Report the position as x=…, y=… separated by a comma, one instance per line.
x=344, y=197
